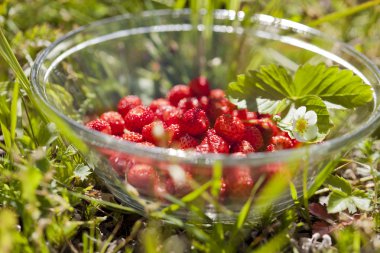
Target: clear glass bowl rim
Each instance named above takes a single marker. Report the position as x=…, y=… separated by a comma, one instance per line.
x=164, y=154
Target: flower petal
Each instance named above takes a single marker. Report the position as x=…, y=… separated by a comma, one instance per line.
x=311, y=117
x=299, y=137
x=311, y=133
x=300, y=112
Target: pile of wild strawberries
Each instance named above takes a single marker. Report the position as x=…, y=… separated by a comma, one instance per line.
x=191, y=117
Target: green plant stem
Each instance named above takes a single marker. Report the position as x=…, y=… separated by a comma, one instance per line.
x=344, y=13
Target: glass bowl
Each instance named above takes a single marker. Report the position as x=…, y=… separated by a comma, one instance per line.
x=87, y=71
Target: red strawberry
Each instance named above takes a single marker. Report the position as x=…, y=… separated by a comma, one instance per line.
x=168, y=114
x=213, y=143
x=177, y=92
x=155, y=133
x=203, y=103
x=239, y=182
x=217, y=94
x=115, y=120
x=138, y=117
x=100, y=126
x=164, y=186
x=245, y=115
x=254, y=137
x=120, y=164
x=242, y=147
x=174, y=132
x=158, y=103
x=186, y=141
x=279, y=143
x=219, y=106
x=229, y=127
x=186, y=104
x=127, y=103
x=143, y=177
x=132, y=136
x=264, y=115
x=181, y=179
x=267, y=128
x=199, y=86
x=194, y=122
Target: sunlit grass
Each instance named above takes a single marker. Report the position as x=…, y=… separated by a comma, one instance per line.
x=45, y=208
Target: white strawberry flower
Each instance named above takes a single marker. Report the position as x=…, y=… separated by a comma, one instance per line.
x=304, y=124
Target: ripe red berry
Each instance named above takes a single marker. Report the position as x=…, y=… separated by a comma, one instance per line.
x=138, y=117
x=199, y=87
x=245, y=115
x=115, y=120
x=229, y=127
x=194, y=122
x=254, y=137
x=242, y=147
x=120, y=164
x=143, y=177
x=174, y=132
x=155, y=133
x=186, y=104
x=163, y=187
x=100, y=126
x=184, y=142
x=213, y=143
x=177, y=92
x=217, y=94
x=203, y=103
x=157, y=103
x=132, y=136
x=280, y=142
x=219, y=106
x=168, y=114
x=127, y=103
x=267, y=128
x=239, y=182
x=181, y=179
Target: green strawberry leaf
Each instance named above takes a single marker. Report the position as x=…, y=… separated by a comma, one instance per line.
x=273, y=106
x=271, y=89
x=272, y=82
x=339, y=202
x=339, y=183
x=331, y=84
x=241, y=91
x=343, y=196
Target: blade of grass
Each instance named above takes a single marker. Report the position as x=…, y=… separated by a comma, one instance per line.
x=233, y=5
x=275, y=244
x=244, y=212
x=103, y=202
x=10, y=58
x=189, y=197
x=345, y=13
x=14, y=114
x=216, y=179
x=180, y=4
x=322, y=176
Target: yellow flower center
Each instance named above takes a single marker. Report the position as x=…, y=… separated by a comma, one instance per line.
x=301, y=125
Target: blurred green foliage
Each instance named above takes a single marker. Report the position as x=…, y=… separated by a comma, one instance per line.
x=49, y=204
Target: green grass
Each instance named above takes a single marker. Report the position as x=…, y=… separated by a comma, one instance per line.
x=46, y=207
